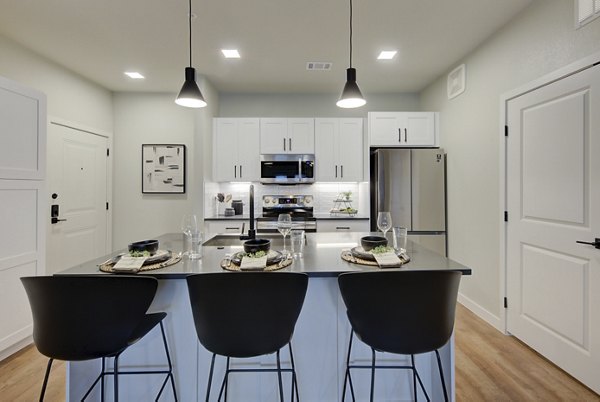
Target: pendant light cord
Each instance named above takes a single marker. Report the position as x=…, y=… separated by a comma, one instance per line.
x=350, y=33
x=190, y=29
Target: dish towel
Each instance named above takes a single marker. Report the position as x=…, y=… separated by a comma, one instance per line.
x=387, y=260
x=249, y=263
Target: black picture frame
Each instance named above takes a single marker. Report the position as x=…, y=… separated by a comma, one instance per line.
x=163, y=168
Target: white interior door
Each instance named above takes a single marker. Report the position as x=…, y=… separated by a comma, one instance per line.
x=553, y=198
x=77, y=183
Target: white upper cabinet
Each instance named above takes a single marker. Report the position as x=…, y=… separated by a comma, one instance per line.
x=236, y=149
x=339, y=149
x=403, y=129
x=287, y=136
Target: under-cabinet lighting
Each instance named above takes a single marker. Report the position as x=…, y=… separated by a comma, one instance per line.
x=231, y=53
x=134, y=75
x=387, y=55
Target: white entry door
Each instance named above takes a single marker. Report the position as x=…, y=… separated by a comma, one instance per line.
x=553, y=198
x=77, y=186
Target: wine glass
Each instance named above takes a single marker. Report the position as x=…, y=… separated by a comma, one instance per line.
x=284, y=225
x=189, y=227
x=384, y=222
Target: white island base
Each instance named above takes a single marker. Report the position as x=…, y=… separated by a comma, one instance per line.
x=320, y=345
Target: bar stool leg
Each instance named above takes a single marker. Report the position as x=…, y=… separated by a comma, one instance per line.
x=348, y=377
x=116, y=379
x=437, y=354
x=102, y=379
x=170, y=375
x=294, y=379
x=414, y=370
x=48, y=367
x=225, y=382
x=373, y=375
x=210, y=375
x=280, y=379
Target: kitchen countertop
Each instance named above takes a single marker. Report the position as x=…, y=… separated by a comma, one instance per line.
x=323, y=216
x=321, y=257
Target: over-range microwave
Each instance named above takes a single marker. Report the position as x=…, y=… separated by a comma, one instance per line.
x=287, y=169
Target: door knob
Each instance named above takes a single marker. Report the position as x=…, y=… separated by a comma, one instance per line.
x=595, y=243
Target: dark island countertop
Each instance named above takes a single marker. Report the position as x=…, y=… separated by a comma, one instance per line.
x=321, y=257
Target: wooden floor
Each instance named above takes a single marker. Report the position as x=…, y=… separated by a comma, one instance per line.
x=489, y=367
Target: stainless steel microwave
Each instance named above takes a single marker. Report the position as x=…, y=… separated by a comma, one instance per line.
x=287, y=169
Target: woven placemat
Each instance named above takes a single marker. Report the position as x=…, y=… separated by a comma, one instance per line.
x=349, y=257
x=231, y=266
x=171, y=261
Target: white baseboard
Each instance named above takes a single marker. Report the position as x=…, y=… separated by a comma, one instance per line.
x=15, y=348
x=482, y=313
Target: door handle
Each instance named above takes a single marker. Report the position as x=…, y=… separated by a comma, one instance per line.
x=54, y=220
x=595, y=243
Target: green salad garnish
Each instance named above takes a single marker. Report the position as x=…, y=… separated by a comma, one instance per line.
x=258, y=254
x=381, y=249
x=139, y=253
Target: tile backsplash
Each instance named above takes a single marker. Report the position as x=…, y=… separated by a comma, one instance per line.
x=324, y=195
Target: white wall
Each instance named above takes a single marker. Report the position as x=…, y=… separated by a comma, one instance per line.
x=70, y=96
x=146, y=118
x=309, y=105
x=538, y=41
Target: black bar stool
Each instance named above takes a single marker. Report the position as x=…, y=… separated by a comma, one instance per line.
x=88, y=317
x=247, y=314
x=403, y=312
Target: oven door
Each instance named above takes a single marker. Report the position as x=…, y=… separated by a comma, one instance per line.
x=269, y=225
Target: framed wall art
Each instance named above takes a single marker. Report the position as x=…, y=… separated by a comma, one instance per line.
x=163, y=168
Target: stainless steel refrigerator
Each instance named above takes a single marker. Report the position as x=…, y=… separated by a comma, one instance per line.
x=411, y=185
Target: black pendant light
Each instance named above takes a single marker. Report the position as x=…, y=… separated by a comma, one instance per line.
x=351, y=96
x=190, y=95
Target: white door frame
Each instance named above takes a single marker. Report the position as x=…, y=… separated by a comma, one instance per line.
x=109, y=169
x=559, y=74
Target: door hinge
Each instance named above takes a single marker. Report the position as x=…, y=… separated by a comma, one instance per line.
x=506, y=131
x=107, y=152
x=505, y=302
x=107, y=206
x=505, y=216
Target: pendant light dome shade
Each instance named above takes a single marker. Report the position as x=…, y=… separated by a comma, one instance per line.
x=351, y=96
x=190, y=95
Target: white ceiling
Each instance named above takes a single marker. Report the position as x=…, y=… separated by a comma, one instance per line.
x=100, y=39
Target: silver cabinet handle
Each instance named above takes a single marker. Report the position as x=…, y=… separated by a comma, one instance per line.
x=342, y=227
x=342, y=171
x=235, y=171
x=290, y=143
x=405, y=133
x=284, y=144
x=232, y=228
x=399, y=135
x=335, y=170
x=241, y=175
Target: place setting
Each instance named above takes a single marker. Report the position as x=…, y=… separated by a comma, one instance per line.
x=375, y=251
x=144, y=255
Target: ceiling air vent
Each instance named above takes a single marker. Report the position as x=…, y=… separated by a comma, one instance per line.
x=318, y=66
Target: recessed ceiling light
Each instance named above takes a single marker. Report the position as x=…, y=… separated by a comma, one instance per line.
x=134, y=74
x=231, y=53
x=386, y=55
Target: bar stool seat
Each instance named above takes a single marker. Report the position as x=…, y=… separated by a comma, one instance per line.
x=85, y=317
x=247, y=314
x=402, y=312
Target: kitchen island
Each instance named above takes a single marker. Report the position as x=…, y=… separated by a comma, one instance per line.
x=320, y=340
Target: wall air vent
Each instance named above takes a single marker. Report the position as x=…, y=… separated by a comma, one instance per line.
x=318, y=66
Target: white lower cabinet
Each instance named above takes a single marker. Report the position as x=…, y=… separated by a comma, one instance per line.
x=236, y=149
x=343, y=225
x=224, y=226
x=339, y=149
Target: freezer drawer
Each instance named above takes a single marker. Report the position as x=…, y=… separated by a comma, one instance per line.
x=434, y=242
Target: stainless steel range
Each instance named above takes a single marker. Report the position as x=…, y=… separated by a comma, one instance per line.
x=300, y=207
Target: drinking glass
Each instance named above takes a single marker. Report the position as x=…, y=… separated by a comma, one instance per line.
x=400, y=237
x=189, y=226
x=284, y=225
x=384, y=222
x=297, y=240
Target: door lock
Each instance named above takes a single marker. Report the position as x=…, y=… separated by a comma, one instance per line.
x=595, y=243
x=54, y=214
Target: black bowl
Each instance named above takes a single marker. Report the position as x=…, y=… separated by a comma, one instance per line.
x=370, y=242
x=150, y=246
x=254, y=245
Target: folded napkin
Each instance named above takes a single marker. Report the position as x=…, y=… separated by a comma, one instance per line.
x=249, y=263
x=129, y=264
x=389, y=259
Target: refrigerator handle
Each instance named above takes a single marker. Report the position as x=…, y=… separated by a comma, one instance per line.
x=380, y=183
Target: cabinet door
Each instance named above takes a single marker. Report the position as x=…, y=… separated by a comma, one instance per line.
x=225, y=149
x=343, y=225
x=301, y=136
x=350, y=149
x=420, y=129
x=326, y=150
x=386, y=129
x=273, y=136
x=248, y=150
x=224, y=226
